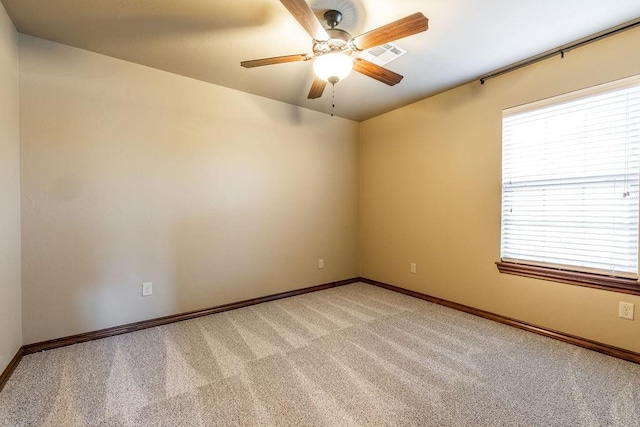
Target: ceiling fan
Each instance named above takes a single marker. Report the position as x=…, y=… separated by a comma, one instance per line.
x=332, y=47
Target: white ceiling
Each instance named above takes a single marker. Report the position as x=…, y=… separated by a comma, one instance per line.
x=207, y=39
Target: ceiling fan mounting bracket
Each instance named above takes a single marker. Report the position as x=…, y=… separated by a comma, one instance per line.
x=333, y=18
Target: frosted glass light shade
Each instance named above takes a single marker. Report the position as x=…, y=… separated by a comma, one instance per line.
x=333, y=67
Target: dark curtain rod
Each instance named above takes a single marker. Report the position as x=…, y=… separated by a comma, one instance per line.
x=562, y=49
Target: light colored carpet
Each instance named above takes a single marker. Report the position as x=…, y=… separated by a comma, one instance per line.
x=353, y=355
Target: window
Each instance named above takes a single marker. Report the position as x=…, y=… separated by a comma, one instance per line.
x=570, y=175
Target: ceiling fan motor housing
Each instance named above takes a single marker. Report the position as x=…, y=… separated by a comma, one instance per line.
x=339, y=41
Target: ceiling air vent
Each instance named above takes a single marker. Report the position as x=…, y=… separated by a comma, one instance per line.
x=382, y=54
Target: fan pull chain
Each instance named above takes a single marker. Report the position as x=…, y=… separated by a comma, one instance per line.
x=333, y=97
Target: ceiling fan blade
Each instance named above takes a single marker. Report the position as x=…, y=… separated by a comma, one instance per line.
x=377, y=72
x=274, y=60
x=399, y=29
x=317, y=87
x=307, y=18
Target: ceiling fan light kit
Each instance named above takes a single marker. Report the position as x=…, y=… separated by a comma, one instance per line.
x=333, y=67
x=333, y=57
x=333, y=48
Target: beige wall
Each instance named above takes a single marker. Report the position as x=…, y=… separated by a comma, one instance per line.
x=10, y=309
x=430, y=194
x=131, y=174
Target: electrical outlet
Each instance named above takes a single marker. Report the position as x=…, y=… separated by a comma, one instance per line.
x=626, y=310
x=147, y=289
x=412, y=267
x=320, y=263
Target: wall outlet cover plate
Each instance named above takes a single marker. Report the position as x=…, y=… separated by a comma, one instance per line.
x=147, y=289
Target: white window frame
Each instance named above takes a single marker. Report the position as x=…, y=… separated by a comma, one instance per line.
x=541, y=264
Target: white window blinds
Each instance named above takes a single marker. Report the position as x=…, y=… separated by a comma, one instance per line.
x=570, y=169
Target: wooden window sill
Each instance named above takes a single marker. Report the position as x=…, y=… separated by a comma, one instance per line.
x=589, y=280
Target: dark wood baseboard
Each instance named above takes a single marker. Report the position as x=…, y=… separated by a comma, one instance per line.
x=571, y=339
x=13, y=364
x=123, y=329
x=131, y=327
